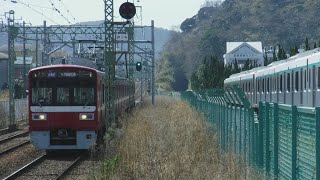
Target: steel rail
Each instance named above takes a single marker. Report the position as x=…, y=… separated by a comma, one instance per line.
x=25, y=168
x=69, y=168
x=13, y=136
x=14, y=148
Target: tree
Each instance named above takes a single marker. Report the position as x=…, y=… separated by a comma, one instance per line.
x=210, y=74
x=164, y=73
x=246, y=65
x=306, y=43
x=236, y=67
x=293, y=51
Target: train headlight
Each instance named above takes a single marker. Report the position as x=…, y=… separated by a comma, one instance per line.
x=39, y=117
x=86, y=116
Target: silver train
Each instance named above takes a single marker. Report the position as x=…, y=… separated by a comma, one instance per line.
x=294, y=81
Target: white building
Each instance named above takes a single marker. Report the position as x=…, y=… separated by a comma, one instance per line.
x=242, y=51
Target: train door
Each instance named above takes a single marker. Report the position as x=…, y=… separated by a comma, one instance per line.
x=254, y=86
x=269, y=88
x=292, y=88
x=288, y=89
x=257, y=91
x=317, y=87
x=277, y=87
x=301, y=87
x=281, y=89
x=284, y=92
x=295, y=89
x=313, y=77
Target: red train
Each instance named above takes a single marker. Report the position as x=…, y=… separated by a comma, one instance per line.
x=67, y=108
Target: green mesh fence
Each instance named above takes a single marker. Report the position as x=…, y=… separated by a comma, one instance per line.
x=282, y=140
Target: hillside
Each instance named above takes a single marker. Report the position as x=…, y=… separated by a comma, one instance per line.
x=273, y=22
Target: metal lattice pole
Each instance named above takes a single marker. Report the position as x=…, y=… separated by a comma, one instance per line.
x=131, y=65
x=23, y=95
x=11, y=59
x=109, y=60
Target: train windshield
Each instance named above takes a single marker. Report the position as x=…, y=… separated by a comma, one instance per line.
x=72, y=90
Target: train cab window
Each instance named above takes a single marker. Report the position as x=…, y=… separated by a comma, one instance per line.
x=63, y=95
x=281, y=83
x=296, y=81
x=288, y=82
x=84, y=96
x=42, y=96
x=318, y=77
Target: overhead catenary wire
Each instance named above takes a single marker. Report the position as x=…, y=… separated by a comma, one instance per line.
x=30, y=6
x=57, y=10
x=65, y=7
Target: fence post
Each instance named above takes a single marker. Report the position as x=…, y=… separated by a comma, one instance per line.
x=276, y=140
x=260, y=136
x=294, y=142
x=267, y=123
x=317, y=143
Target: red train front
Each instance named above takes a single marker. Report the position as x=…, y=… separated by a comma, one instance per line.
x=65, y=106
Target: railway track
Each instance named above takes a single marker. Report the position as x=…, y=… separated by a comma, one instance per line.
x=13, y=142
x=47, y=167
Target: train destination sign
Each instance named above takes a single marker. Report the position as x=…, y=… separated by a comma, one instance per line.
x=62, y=74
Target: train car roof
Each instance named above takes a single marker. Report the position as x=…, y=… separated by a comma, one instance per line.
x=244, y=74
x=293, y=62
x=63, y=66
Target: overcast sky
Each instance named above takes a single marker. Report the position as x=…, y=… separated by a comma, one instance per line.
x=166, y=13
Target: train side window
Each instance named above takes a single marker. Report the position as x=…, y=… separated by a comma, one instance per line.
x=103, y=93
x=301, y=79
x=288, y=82
x=277, y=81
x=297, y=81
x=281, y=83
x=292, y=81
x=268, y=85
x=309, y=79
x=246, y=86
x=258, y=84
x=318, y=77
x=263, y=90
x=305, y=79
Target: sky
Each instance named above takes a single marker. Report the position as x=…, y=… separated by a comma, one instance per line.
x=166, y=13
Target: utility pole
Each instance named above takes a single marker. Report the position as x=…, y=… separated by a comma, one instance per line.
x=37, y=41
x=11, y=59
x=153, y=64
x=24, y=61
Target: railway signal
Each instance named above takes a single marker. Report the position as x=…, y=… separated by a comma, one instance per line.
x=138, y=66
x=127, y=10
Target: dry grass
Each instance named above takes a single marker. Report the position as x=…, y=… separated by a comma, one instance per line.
x=4, y=95
x=170, y=141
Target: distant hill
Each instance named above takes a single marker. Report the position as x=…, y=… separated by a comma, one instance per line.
x=273, y=22
x=161, y=37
